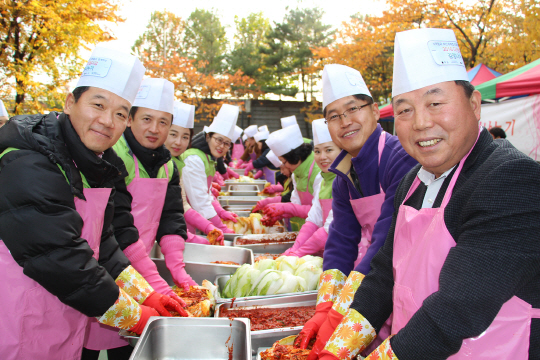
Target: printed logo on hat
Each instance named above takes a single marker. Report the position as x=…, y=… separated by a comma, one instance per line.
x=354, y=79
x=445, y=52
x=97, y=66
x=143, y=92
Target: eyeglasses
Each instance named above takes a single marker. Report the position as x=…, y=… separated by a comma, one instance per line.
x=220, y=142
x=335, y=117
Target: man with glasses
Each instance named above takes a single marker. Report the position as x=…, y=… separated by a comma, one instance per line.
x=368, y=171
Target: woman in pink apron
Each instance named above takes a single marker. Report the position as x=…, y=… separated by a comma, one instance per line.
x=313, y=234
x=178, y=141
x=200, y=167
x=265, y=169
x=368, y=171
x=298, y=157
x=250, y=145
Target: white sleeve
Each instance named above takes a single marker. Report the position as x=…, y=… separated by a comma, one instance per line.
x=295, y=198
x=329, y=220
x=315, y=214
x=196, y=187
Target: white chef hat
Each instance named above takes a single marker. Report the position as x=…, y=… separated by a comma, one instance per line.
x=3, y=110
x=183, y=115
x=263, y=128
x=261, y=135
x=237, y=132
x=340, y=81
x=321, y=134
x=225, y=121
x=273, y=159
x=285, y=140
x=114, y=71
x=156, y=94
x=288, y=121
x=424, y=57
x=251, y=130
x=244, y=137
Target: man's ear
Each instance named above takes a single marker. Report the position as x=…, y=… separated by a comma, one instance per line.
x=130, y=120
x=70, y=101
x=476, y=103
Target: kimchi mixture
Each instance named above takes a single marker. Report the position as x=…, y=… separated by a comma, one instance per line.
x=272, y=318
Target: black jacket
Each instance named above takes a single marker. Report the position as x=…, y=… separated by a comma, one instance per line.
x=38, y=220
x=172, y=217
x=494, y=217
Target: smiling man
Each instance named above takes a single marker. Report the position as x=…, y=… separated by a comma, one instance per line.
x=59, y=259
x=460, y=269
x=368, y=171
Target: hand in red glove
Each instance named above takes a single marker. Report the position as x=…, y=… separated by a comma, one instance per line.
x=312, y=326
x=258, y=175
x=216, y=186
x=233, y=173
x=262, y=203
x=162, y=303
x=146, y=313
x=272, y=189
x=214, y=192
x=248, y=168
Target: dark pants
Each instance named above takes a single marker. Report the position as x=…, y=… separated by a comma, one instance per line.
x=121, y=353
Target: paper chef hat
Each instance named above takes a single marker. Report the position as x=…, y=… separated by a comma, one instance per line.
x=288, y=121
x=262, y=135
x=237, y=132
x=273, y=159
x=251, y=130
x=156, y=94
x=183, y=115
x=263, y=128
x=285, y=140
x=321, y=134
x=114, y=71
x=424, y=57
x=225, y=121
x=3, y=110
x=340, y=81
x=244, y=137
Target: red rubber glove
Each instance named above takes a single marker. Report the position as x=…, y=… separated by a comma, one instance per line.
x=258, y=175
x=224, y=214
x=219, y=178
x=248, y=168
x=162, y=304
x=311, y=328
x=215, y=192
x=239, y=164
x=287, y=210
x=146, y=313
x=233, y=173
x=272, y=189
x=262, y=203
x=325, y=332
x=216, y=186
x=216, y=220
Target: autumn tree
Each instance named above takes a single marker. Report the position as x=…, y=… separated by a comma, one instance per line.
x=205, y=40
x=41, y=40
x=163, y=38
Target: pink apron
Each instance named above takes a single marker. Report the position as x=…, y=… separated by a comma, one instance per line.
x=40, y=326
x=237, y=151
x=253, y=156
x=421, y=245
x=148, y=199
x=306, y=197
x=326, y=205
x=367, y=211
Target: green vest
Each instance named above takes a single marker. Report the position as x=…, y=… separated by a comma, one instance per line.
x=209, y=165
x=326, y=185
x=179, y=165
x=302, y=173
x=85, y=182
x=124, y=152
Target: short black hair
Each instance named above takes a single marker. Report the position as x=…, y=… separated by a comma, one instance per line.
x=366, y=98
x=301, y=153
x=467, y=87
x=78, y=91
x=497, y=132
x=133, y=111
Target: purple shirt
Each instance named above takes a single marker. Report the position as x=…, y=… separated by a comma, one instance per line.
x=341, y=248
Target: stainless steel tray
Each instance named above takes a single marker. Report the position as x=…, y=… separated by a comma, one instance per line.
x=221, y=281
x=239, y=200
x=266, y=338
x=243, y=190
x=259, y=183
x=242, y=213
x=198, y=260
x=239, y=171
x=194, y=338
x=270, y=248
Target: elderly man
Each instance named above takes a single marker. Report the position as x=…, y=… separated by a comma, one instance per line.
x=460, y=270
x=59, y=259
